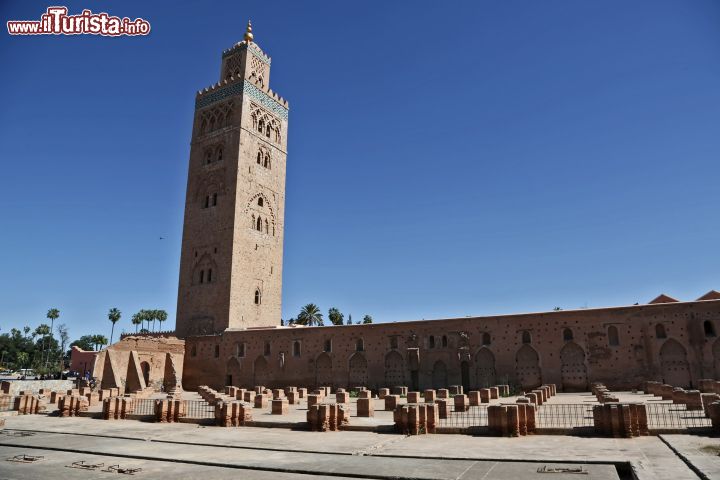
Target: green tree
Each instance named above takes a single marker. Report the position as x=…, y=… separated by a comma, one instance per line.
x=85, y=342
x=161, y=316
x=52, y=314
x=137, y=319
x=335, y=316
x=114, y=316
x=42, y=331
x=22, y=359
x=64, y=337
x=310, y=315
x=99, y=341
x=367, y=319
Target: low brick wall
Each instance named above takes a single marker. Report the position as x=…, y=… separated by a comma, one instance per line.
x=14, y=387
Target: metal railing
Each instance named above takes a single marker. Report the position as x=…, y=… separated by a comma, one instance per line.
x=474, y=416
x=564, y=415
x=199, y=409
x=674, y=416
x=143, y=406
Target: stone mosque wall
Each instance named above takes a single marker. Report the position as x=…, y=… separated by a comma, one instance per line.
x=621, y=347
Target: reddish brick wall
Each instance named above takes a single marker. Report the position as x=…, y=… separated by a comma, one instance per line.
x=403, y=353
x=82, y=360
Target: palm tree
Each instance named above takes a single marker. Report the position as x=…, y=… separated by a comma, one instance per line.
x=161, y=316
x=335, y=316
x=114, y=316
x=22, y=358
x=367, y=319
x=42, y=330
x=310, y=315
x=52, y=314
x=101, y=340
x=137, y=319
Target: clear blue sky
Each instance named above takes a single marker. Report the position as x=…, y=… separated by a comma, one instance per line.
x=469, y=158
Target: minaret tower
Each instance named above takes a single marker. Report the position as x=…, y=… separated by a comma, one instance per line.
x=232, y=246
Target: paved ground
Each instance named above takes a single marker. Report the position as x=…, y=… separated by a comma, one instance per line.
x=702, y=452
x=190, y=451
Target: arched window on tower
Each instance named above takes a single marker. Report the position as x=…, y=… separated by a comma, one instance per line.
x=202, y=276
x=261, y=202
x=267, y=161
x=267, y=230
x=296, y=348
x=444, y=341
x=526, y=338
x=431, y=342
x=486, y=338
x=258, y=296
x=219, y=154
x=259, y=224
x=252, y=221
x=267, y=131
x=240, y=350
x=259, y=158
x=217, y=351
x=261, y=125
x=208, y=157
x=327, y=345
x=267, y=349
x=359, y=345
x=660, y=331
x=709, y=328
x=613, y=337
x=567, y=335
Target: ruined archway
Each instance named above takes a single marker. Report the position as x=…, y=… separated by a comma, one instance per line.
x=358, y=374
x=145, y=367
x=261, y=371
x=232, y=372
x=484, y=368
x=394, y=370
x=573, y=372
x=674, y=365
x=527, y=368
x=439, y=375
x=323, y=370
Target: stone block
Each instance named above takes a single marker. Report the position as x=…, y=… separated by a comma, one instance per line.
x=280, y=406
x=365, y=394
x=293, y=398
x=249, y=396
x=302, y=392
x=278, y=394
x=413, y=397
x=494, y=392
x=430, y=395
x=443, y=393
x=444, y=408
x=455, y=390
x=342, y=397
x=461, y=403
x=383, y=392
x=261, y=401
x=484, y=395
x=391, y=401
x=365, y=407
x=313, y=399
x=474, y=397
x=400, y=390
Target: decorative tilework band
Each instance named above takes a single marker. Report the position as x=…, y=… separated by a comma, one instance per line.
x=242, y=87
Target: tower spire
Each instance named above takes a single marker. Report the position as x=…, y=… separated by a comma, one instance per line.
x=248, y=33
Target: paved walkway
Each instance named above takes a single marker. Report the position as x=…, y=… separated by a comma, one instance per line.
x=259, y=452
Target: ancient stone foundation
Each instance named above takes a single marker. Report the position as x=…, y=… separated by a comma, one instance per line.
x=28, y=404
x=620, y=419
x=416, y=418
x=232, y=414
x=324, y=416
x=511, y=420
x=169, y=411
x=72, y=405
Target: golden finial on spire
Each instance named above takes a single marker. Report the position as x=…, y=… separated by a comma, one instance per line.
x=248, y=33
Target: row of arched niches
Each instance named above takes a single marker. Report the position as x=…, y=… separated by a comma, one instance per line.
x=477, y=371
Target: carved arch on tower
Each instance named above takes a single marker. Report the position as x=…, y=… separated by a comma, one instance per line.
x=262, y=218
x=205, y=270
x=265, y=124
